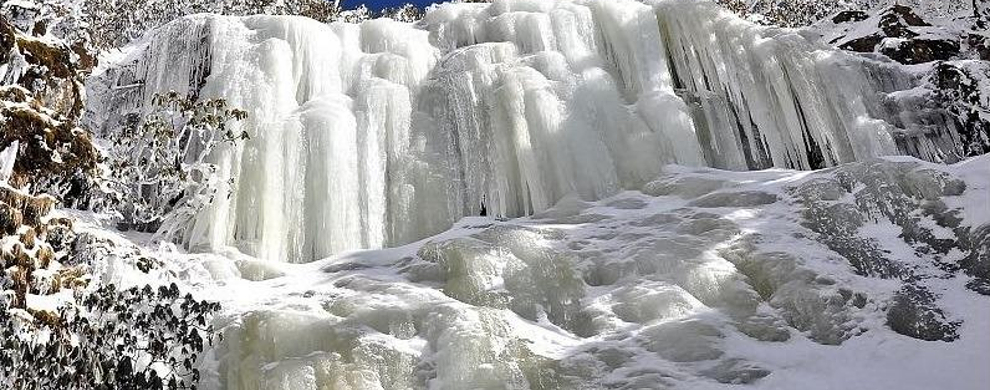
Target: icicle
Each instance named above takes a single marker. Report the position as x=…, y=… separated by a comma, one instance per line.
x=7, y=158
x=382, y=133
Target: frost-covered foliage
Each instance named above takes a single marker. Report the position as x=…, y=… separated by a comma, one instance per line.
x=406, y=13
x=91, y=25
x=358, y=14
x=64, y=324
x=788, y=13
x=798, y=13
x=115, y=23
x=138, y=338
x=158, y=162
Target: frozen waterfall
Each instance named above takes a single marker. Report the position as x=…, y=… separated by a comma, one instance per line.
x=381, y=133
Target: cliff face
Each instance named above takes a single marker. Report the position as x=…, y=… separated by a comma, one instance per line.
x=950, y=56
x=944, y=45
x=41, y=100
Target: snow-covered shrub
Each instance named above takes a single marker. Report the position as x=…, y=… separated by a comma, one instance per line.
x=798, y=13
x=158, y=163
x=406, y=13
x=114, y=23
x=100, y=337
x=107, y=339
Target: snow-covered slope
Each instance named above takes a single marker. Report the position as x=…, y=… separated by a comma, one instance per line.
x=705, y=278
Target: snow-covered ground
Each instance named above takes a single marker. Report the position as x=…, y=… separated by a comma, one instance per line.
x=702, y=279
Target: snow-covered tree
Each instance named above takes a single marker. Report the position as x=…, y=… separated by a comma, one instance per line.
x=406, y=13
x=116, y=22
x=159, y=172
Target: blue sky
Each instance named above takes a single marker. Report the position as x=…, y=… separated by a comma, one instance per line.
x=379, y=4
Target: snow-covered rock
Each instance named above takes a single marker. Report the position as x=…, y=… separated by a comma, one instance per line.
x=949, y=57
x=904, y=36
x=41, y=100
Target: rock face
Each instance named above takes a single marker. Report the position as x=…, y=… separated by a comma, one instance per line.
x=898, y=33
x=963, y=89
x=23, y=230
x=41, y=100
x=945, y=112
x=915, y=314
x=949, y=57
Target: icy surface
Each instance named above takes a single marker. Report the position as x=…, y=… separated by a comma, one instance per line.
x=382, y=133
x=704, y=279
x=8, y=156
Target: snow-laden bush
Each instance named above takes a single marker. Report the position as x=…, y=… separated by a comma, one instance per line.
x=158, y=169
x=107, y=339
x=115, y=23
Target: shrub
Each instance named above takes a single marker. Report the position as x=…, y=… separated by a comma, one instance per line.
x=107, y=339
x=159, y=173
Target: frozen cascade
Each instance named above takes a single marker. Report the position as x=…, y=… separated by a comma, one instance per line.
x=8, y=156
x=382, y=133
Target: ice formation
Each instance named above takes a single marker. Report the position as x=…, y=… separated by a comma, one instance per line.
x=378, y=134
x=7, y=158
x=640, y=265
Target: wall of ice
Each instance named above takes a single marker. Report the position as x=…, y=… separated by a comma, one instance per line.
x=375, y=134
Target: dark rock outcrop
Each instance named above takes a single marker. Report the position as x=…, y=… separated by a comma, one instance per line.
x=915, y=314
x=41, y=100
x=977, y=262
x=917, y=51
x=960, y=89
x=898, y=33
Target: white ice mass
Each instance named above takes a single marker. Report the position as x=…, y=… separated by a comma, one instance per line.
x=378, y=134
x=628, y=272
x=7, y=159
